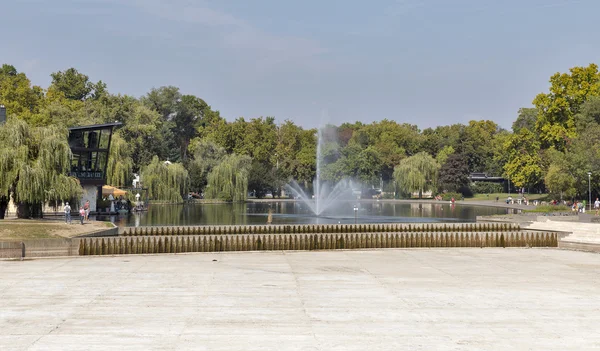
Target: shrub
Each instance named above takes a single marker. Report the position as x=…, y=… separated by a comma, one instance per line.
x=486, y=188
x=449, y=196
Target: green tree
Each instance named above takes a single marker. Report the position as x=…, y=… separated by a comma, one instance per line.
x=165, y=181
x=119, y=170
x=206, y=155
x=229, y=180
x=20, y=98
x=454, y=173
x=34, y=162
x=523, y=166
x=262, y=179
x=189, y=113
x=163, y=100
x=526, y=119
x=475, y=144
x=557, y=109
x=560, y=182
x=417, y=173
x=76, y=86
x=444, y=153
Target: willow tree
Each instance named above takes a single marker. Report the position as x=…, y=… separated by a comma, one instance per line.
x=34, y=163
x=417, y=173
x=120, y=165
x=165, y=181
x=229, y=180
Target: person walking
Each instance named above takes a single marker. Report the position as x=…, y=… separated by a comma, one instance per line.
x=86, y=208
x=597, y=206
x=67, y=210
x=81, y=215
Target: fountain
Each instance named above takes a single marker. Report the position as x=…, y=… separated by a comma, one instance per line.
x=326, y=194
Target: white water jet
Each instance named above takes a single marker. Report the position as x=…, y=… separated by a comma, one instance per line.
x=326, y=195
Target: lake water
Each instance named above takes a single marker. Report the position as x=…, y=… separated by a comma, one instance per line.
x=298, y=213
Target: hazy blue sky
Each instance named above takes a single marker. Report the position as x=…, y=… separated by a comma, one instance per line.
x=427, y=62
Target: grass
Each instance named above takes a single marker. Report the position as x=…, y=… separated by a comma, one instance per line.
x=30, y=229
x=504, y=196
x=550, y=208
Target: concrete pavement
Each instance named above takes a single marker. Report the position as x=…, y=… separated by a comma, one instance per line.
x=415, y=299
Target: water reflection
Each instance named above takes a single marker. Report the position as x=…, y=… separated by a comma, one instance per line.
x=295, y=212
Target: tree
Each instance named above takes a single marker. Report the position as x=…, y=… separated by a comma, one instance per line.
x=417, y=173
x=557, y=109
x=34, y=162
x=163, y=100
x=75, y=85
x=454, y=174
x=165, y=181
x=523, y=166
x=444, y=153
x=526, y=119
x=206, y=155
x=559, y=181
x=119, y=170
x=475, y=144
x=20, y=98
x=188, y=114
x=262, y=179
x=229, y=180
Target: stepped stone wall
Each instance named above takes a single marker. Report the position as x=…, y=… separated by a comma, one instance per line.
x=323, y=229
x=266, y=242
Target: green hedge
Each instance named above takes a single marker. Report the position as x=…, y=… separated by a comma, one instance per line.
x=486, y=188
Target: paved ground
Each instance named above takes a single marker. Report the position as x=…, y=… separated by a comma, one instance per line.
x=417, y=299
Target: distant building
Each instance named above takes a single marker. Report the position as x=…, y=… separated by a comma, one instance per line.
x=90, y=146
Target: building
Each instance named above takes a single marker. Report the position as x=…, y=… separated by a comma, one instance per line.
x=90, y=146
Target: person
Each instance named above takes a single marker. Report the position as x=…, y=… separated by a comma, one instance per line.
x=67, y=210
x=81, y=214
x=597, y=206
x=86, y=208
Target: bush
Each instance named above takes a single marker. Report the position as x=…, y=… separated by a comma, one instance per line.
x=449, y=196
x=486, y=188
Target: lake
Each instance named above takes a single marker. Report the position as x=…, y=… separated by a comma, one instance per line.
x=298, y=213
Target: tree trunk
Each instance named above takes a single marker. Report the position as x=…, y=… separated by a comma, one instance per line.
x=3, y=206
x=29, y=210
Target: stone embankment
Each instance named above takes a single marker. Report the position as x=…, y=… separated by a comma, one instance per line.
x=324, y=229
x=267, y=242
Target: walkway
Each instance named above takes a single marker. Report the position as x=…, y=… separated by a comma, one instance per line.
x=417, y=299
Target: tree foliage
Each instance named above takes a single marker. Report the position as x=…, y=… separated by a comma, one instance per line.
x=454, y=173
x=557, y=109
x=34, y=162
x=417, y=173
x=229, y=180
x=165, y=181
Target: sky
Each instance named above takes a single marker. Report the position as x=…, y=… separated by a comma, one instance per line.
x=427, y=62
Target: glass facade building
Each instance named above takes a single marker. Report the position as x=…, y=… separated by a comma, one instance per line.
x=90, y=146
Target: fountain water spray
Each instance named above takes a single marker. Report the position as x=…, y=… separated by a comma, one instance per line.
x=326, y=194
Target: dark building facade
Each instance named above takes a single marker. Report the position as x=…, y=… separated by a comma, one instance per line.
x=90, y=146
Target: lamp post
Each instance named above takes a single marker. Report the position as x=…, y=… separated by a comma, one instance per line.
x=590, y=190
x=355, y=212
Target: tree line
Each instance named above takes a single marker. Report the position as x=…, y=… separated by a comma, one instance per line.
x=551, y=146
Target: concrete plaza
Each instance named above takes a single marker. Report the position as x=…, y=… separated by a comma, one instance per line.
x=413, y=299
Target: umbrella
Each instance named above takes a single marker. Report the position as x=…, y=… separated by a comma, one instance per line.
x=111, y=190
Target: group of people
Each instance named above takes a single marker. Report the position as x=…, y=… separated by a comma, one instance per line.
x=84, y=212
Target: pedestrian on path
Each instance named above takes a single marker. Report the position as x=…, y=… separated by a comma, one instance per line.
x=597, y=206
x=81, y=215
x=67, y=210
